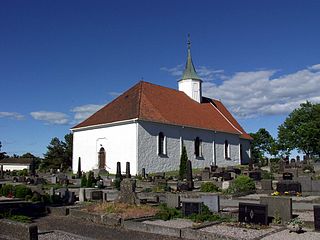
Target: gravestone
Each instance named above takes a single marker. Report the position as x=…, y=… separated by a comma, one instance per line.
x=143, y=173
x=266, y=184
x=127, y=192
x=213, y=168
x=172, y=200
x=191, y=206
x=189, y=175
x=298, y=159
x=79, y=173
x=226, y=176
x=82, y=195
x=316, y=212
x=205, y=174
x=287, y=176
x=253, y=213
x=128, y=175
x=256, y=175
x=281, y=206
x=290, y=186
x=1, y=172
x=96, y=195
x=281, y=165
x=315, y=185
x=118, y=173
x=51, y=192
x=212, y=201
x=182, y=186
x=306, y=183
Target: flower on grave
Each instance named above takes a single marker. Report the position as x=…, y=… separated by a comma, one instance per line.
x=286, y=193
x=276, y=193
x=299, y=194
x=296, y=221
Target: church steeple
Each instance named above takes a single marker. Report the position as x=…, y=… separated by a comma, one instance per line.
x=190, y=83
x=189, y=71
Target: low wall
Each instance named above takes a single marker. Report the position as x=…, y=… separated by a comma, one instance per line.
x=21, y=231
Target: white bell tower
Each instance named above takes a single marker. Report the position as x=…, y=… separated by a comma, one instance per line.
x=190, y=83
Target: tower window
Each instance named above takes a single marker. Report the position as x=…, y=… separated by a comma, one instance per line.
x=198, y=147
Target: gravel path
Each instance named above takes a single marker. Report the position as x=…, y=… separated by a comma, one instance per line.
x=175, y=223
x=238, y=233
x=59, y=235
x=285, y=234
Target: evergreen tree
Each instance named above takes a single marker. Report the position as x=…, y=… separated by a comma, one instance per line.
x=84, y=180
x=183, y=163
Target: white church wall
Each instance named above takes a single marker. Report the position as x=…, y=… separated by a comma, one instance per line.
x=119, y=142
x=147, y=147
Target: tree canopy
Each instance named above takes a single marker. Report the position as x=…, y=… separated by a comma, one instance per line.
x=263, y=143
x=301, y=130
x=59, y=153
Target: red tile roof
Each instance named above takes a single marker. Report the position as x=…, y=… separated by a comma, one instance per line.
x=150, y=102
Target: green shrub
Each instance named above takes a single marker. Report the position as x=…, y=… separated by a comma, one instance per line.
x=20, y=218
x=165, y=213
x=207, y=216
x=7, y=190
x=308, y=167
x=21, y=191
x=116, y=183
x=183, y=164
x=209, y=187
x=241, y=184
x=91, y=180
x=23, y=173
x=84, y=180
x=267, y=175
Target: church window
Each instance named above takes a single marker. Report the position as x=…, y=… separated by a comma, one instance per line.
x=226, y=149
x=198, y=147
x=161, y=144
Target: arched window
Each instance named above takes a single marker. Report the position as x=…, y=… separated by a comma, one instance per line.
x=161, y=144
x=198, y=147
x=226, y=149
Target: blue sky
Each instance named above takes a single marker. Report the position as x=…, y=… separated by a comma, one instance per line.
x=62, y=60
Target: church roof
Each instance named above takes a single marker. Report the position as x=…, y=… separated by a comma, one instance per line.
x=150, y=102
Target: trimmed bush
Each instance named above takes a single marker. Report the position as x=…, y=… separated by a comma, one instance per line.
x=241, y=184
x=208, y=187
x=165, y=213
x=21, y=191
x=7, y=190
x=84, y=180
x=91, y=180
x=183, y=164
x=267, y=175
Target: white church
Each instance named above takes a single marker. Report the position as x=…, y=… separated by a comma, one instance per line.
x=149, y=124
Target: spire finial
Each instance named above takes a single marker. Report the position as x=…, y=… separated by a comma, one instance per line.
x=189, y=41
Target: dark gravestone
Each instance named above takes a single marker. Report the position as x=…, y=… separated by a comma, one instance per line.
x=96, y=195
x=143, y=173
x=1, y=171
x=253, y=213
x=266, y=184
x=298, y=159
x=213, y=168
x=191, y=207
x=33, y=168
x=316, y=212
x=128, y=175
x=205, y=174
x=290, y=186
x=287, y=176
x=237, y=171
x=255, y=175
x=118, y=173
x=226, y=176
x=189, y=175
x=182, y=186
x=281, y=165
x=127, y=192
x=79, y=173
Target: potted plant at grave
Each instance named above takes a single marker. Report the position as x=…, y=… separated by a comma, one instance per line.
x=295, y=225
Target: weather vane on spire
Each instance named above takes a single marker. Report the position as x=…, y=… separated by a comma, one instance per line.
x=189, y=41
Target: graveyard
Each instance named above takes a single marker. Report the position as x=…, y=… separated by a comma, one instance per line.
x=240, y=202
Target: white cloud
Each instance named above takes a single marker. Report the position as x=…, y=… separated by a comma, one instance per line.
x=206, y=73
x=84, y=111
x=258, y=93
x=51, y=117
x=11, y=115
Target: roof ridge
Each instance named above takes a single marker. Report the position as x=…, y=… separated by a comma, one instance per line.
x=140, y=96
